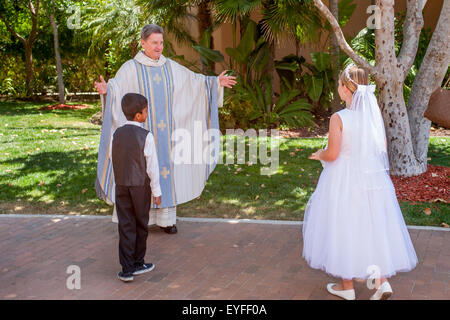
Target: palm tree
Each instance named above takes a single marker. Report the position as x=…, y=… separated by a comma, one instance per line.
x=173, y=15
x=298, y=19
x=235, y=11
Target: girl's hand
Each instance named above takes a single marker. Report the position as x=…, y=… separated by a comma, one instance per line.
x=316, y=155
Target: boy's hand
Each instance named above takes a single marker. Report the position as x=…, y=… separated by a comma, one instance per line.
x=157, y=200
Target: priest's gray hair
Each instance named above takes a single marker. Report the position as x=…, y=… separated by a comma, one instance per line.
x=148, y=29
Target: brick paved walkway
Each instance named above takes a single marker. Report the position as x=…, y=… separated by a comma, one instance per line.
x=205, y=260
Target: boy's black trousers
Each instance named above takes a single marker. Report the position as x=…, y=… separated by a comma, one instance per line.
x=133, y=207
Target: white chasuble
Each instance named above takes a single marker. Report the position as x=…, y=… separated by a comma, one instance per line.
x=183, y=118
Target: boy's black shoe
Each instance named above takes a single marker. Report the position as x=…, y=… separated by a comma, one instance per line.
x=126, y=277
x=146, y=267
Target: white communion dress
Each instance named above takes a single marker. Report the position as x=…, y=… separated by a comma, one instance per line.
x=353, y=226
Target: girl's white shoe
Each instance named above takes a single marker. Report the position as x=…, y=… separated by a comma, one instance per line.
x=346, y=294
x=384, y=292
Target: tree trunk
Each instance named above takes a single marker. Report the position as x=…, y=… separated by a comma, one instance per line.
x=205, y=23
x=243, y=22
x=402, y=159
x=334, y=46
x=430, y=76
x=27, y=43
x=29, y=69
x=390, y=72
x=391, y=101
x=390, y=81
x=62, y=98
x=271, y=71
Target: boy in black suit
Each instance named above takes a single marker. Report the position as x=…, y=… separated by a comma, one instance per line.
x=136, y=172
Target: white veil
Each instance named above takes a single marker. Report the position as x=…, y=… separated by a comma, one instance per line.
x=369, y=145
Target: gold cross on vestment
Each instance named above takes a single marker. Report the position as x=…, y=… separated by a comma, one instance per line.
x=162, y=125
x=165, y=172
x=157, y=79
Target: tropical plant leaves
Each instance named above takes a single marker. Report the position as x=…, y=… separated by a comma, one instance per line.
x=261, y=58
x=314, y=86
x=297, y=106
x=245, y=47
x=284, y=98
x=246, y=44
x=290, y=66
x=235, y=54
x=210, y=54
x=321, y=60
x=206, y=38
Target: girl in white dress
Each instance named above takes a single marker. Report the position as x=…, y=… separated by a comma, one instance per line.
x=353, y=226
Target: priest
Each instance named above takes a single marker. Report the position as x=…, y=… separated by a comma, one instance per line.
x=180, y=101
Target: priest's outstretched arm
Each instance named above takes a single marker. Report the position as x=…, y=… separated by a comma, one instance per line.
x=195, y=82
x=112, y=91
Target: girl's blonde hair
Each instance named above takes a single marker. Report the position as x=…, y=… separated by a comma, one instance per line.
x=358, y=75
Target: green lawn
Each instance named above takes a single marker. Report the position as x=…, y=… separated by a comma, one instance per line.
x=48, y=162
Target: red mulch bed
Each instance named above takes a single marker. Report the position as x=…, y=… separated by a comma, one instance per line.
x=431, y=186
x=65, y=107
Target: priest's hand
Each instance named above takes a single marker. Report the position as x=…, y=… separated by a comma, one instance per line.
x=157, y=200
x=101, y=86
x=227, y=81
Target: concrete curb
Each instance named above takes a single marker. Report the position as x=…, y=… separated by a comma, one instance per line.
x=217, y=220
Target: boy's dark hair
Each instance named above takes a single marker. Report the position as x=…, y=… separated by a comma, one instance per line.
x=133, y=103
